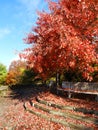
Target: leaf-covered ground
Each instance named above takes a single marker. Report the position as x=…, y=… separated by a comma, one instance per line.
x=13, y=116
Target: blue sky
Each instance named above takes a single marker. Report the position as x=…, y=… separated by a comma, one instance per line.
x=16, y=20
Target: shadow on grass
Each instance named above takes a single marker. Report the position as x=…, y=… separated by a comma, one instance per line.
x=27, y=92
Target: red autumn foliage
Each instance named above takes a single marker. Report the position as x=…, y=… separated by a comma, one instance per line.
x=63, y=39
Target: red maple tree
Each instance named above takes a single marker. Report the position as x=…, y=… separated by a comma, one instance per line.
x=63, y=39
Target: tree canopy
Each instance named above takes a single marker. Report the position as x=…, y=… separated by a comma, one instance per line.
x=65, y=39
x=15, y=72
x=19, y=74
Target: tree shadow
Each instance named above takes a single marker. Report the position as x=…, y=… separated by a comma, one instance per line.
x=27, y=92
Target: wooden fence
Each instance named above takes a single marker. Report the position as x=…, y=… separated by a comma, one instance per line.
x=79, y=87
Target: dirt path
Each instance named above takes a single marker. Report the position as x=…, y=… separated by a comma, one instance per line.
x=14, y=117
x=5, y=105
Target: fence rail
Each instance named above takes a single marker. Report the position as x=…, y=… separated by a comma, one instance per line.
x=80, y=86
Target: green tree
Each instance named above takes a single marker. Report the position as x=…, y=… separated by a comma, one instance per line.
x=3, y=73
x=28, y=77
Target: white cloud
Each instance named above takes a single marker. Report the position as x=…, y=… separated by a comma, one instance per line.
x=30, y=5
x=33, y=5
x=4, y=32
x=27, y=11
x=15, y=58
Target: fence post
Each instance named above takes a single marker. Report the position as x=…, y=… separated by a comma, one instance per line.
x=96, y=98
x=69, y=93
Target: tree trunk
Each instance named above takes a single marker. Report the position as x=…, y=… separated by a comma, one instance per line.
x=57, y=79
